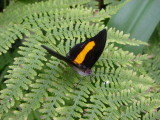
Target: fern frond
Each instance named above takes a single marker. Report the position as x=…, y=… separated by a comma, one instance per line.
x=39, y=7
x=155, y=115
x=152, y=65
x=22, y=73
x=120, y=38
x=142, y=106
x=115, y=56
x=7, y=37
x=113, y=8
x=39, y=91
x=75, y=109
x=38, y=82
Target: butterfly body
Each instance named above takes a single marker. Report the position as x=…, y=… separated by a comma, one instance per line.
x=84, y=55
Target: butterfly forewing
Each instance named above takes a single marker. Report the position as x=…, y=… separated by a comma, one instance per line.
x=88, y=52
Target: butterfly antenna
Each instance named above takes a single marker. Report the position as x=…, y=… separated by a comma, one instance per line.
x=78, y=83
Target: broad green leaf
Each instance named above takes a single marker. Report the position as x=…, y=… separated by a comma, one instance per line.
x=139, y=18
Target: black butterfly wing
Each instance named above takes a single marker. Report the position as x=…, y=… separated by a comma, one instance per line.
x=55, y=54
x=95, y=53
x=76, y=50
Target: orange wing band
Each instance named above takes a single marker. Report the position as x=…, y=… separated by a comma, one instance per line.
x=81, y=56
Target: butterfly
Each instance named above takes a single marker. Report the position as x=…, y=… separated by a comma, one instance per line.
x=83, y=55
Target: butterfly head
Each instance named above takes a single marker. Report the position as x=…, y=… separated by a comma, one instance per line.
x=88, y=71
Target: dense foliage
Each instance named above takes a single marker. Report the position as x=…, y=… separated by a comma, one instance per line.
x=35, y=85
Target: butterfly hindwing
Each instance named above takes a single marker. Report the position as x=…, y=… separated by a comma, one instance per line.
x=59, y=56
